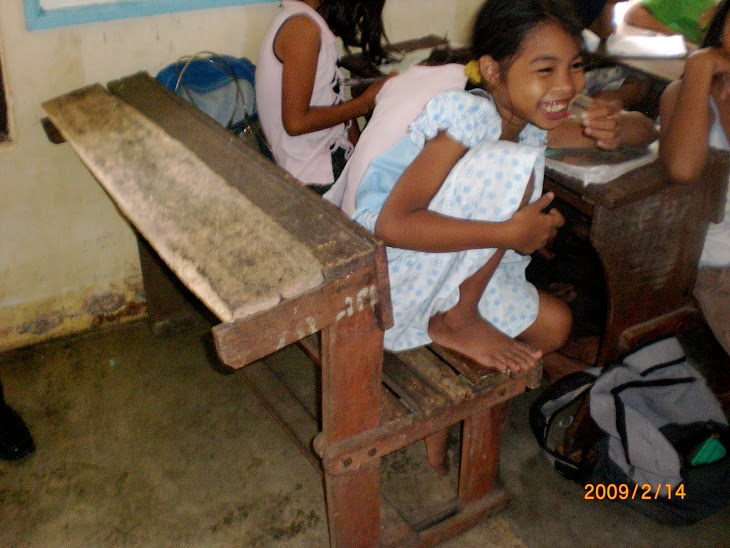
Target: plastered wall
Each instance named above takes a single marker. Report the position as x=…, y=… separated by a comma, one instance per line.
x=68, y=260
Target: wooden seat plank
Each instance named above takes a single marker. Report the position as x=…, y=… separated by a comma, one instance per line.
x=415, y=392
x=223, y=247
x=437, y=371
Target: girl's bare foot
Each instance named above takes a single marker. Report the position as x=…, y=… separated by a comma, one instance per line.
x=479, y=340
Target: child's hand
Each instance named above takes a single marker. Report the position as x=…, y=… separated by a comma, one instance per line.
x=710, y=62
x=533, y=229
x=372, y=90
x=603, y=122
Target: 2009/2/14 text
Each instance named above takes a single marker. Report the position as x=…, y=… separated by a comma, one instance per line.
x=624, y=491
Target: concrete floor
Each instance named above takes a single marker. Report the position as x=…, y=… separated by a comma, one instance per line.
x=143, y=441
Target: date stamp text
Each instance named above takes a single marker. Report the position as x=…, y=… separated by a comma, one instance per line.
x=624, y=491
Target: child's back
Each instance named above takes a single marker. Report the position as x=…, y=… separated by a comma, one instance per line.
x=306, y=156
x=305, y=116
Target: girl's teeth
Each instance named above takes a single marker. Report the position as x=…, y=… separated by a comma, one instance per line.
x=554, y=107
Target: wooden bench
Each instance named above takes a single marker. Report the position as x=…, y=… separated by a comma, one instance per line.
x=278, y=265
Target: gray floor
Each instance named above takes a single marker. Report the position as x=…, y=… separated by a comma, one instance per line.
x=142, y=441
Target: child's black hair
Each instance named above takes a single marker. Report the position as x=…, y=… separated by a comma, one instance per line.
x=501, y=26
x=358, y=22
x=714, y=34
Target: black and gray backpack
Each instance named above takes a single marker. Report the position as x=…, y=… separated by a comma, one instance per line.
x=647, y=431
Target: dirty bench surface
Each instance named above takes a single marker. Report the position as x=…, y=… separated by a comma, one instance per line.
x=232, y=255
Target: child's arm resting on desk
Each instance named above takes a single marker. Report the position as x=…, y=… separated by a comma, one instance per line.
x=686, y=115
x=605, y=126
x=406, y=222
x=297, y=46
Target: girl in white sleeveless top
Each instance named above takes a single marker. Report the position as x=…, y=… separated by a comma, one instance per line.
x=299, y=87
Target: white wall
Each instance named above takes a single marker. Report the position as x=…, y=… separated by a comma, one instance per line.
x=68, y=261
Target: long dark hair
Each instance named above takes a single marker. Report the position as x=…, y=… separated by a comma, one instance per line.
x=358, y=22
x=501, y=26
x=713, y=36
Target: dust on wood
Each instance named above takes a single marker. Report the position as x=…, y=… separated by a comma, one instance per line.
x=233, y=256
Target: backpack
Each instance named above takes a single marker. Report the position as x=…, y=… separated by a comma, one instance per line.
x=222, y=86
x=563, y=427
x=656, y=438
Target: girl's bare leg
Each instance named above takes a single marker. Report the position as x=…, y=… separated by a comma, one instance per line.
x=436, y=451
x=463, y=329
x=549, y=332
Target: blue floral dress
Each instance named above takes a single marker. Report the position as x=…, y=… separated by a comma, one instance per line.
x=487, y=184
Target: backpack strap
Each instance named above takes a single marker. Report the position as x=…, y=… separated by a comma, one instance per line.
x=621, y=411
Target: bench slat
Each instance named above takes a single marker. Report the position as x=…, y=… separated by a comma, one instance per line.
x=225, y=249
x=415, y=392
x=437, y=371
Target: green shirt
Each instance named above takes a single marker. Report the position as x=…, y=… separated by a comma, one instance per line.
x=682, y=16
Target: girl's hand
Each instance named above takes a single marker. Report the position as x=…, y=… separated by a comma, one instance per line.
x=368, y=96
x=709, y=61
x=603, y=122
x=531, y=228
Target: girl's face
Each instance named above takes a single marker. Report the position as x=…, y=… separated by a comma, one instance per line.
x=544, y=77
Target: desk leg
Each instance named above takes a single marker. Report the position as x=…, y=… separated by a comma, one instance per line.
x=480, y=449
x=352, y=354
x=649, y=250
x=169, y=303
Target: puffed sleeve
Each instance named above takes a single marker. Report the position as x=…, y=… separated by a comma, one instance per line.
x=466, y=117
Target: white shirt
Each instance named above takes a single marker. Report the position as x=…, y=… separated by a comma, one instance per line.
x=307, y=157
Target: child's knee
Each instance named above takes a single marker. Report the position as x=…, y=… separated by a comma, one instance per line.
x=560, y=320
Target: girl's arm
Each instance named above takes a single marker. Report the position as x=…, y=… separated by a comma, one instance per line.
x=406, y=222
x=686, y=116
x=638, y=16
x=297, y=46
x=604, y=126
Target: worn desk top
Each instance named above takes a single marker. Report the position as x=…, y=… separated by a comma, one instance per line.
x=237, y=231
x=641, y=183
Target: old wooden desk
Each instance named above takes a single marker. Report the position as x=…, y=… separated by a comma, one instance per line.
x=361, y=67
x=648, y=233
x=276, y=264
x=317, y=277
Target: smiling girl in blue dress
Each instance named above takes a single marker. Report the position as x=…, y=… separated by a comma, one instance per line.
x=458, y=200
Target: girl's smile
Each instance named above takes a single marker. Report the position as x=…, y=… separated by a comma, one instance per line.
x=556, y=110
x=540, y=82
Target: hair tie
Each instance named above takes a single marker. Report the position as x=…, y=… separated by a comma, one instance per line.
x=472, y=72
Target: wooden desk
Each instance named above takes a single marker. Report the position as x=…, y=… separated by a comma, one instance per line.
x=272, y=272
x=276, y=264
x=648, y=233
x=359, y=66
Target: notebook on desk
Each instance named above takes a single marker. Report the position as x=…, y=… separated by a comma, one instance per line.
x=595, y=166
x=646, y=46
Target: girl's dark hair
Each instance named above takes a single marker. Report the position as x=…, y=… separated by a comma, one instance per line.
x=713, y=36
x=500, y=26
x=358, y=22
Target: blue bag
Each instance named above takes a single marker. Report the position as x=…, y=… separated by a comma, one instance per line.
x=222, y=86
